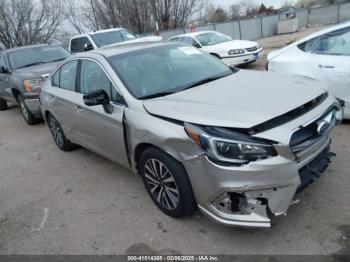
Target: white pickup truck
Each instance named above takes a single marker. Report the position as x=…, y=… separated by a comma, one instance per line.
x=108, y=37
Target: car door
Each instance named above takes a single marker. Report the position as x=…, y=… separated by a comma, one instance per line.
x=99, y=131
x=5, y=85
x=331, y=61
x=63, y=97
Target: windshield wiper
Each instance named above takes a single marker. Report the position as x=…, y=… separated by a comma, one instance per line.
x=31, y=64
x=159, y=94
x=204, y=81
x=59, y=59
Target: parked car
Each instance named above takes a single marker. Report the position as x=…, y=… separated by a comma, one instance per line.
x=199, y=133
x=323, y=56
x=115, y=36
x=231, y=52
x=22, y=71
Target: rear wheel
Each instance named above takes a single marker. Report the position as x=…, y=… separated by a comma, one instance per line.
x=3, y=104
x=58, y=135
x=167, y=183
x=27, y=115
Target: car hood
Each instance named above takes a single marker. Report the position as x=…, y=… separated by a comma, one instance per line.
x=242, y=100
x=234, y=44
x=35, y=71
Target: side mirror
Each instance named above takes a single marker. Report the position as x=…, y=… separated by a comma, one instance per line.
x=196, y=45
x=4, y=70
x=99, y=97
x=88, y=47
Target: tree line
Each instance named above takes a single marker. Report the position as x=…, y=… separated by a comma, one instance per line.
x=26, y=22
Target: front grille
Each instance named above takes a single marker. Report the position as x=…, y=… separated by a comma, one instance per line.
x=289, y=116
x=308, y=135
x=251, y=49
x=312, y=171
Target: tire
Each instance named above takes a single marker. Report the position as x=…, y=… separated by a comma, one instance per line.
x=58, y=135
x=27, y=115
x=163, y=185
x=3, y=105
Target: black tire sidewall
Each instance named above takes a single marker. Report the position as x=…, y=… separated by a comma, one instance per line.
x=187, y=204
x=31, y=120
x=3, y=104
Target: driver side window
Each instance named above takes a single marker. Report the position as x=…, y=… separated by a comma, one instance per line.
x=93, y=78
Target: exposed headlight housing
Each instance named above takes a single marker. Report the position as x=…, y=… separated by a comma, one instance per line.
x=236, y=51
x=31, y=85
x=229, y=147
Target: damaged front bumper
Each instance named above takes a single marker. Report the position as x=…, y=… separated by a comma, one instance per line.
x=244, y=196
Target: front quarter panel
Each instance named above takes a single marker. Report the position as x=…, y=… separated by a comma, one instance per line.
x=143, y=128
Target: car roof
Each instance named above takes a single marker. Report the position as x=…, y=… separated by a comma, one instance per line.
x=26, y=47
x=193, y=34
x=98, y=32
x=126, y=48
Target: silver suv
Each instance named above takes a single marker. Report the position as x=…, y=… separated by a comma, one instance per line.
x=234, y=143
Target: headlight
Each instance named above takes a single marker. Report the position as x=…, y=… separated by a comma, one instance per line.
x=236, y=52
x=229, y=147
x=32, y=84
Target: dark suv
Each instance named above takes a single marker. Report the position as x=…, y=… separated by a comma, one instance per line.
x=22, y=71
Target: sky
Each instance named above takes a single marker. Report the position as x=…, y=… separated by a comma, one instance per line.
x=275, y=3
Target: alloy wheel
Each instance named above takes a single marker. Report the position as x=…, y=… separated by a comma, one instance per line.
x=161, y=184
x=56, y=131
x=24, y=110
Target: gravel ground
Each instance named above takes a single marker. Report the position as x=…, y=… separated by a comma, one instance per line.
x=53, y=202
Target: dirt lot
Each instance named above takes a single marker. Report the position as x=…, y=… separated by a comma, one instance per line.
x=79, y=203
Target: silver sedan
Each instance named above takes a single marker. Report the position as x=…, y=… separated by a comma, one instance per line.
x=236, y=144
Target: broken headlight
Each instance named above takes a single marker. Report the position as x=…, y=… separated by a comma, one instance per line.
x=229, y=147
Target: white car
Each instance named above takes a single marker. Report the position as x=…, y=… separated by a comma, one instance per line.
x=323, y=56
x=108, y=37
x=231, y=52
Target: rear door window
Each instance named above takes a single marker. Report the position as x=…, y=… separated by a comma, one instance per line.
x=68, y=74
x=75, y=45
x=55, y=80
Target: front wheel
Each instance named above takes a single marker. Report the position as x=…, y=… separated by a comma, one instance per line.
x=3, y=105
x=58, y=135
x=167, y=183
x=27, y=115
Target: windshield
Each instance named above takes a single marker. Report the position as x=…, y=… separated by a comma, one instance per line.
x=212, y=38
x=36, y=55
x=163, y=70
x=112, y=37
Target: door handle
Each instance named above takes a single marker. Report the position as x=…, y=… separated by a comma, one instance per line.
x=326, y=66
x=79, y=108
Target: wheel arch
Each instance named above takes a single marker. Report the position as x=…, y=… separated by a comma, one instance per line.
x=15, y=93
x=215, y=54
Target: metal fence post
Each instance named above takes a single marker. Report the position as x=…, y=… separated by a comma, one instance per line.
x=239, y=27
x=261, y=27
x=338, y=14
